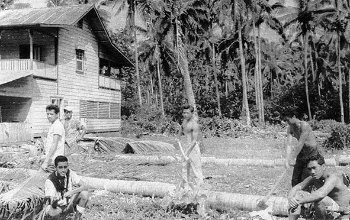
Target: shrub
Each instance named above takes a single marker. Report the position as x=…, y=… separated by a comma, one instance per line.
x=324, y=125
x=339, y=139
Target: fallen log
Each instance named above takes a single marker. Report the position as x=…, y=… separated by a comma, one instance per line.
x=221, y=200
x=219, y=161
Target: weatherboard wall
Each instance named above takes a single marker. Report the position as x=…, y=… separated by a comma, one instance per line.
x=75, y=86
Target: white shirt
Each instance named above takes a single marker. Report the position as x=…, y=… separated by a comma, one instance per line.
x=51, y=191
x=55, y=129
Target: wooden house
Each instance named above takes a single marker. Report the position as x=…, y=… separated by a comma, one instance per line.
x=60, y=55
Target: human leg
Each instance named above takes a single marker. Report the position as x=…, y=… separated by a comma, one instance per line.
x=322, y=207
x=196, y=165
x=297, y=172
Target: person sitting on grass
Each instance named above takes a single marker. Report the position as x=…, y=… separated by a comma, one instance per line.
x=63, y=198
x=329, y=194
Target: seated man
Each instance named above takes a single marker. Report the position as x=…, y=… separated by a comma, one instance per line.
x=329, y=195
x=63, y=198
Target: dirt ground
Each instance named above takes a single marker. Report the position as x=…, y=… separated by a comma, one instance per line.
x=234, y=179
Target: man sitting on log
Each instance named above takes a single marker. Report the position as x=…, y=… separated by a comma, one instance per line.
x=306, y=147
x=63, y=198
x=329, y=194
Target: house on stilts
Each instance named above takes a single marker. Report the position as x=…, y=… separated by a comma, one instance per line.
x=59, y=55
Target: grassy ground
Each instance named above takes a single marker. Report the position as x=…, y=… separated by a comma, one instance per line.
x=235, y=179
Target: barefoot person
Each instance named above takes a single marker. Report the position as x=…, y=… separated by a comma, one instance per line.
x=75, y=131
x=192, y=154
x=330, y=198
x=54, y=144
x=305, y=148
x=63, y=198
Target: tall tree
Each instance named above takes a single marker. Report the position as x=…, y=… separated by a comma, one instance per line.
x=182, y=23
x=305, y=16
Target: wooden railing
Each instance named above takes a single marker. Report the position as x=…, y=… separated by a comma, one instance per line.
x=108, y=83
x=39, y=68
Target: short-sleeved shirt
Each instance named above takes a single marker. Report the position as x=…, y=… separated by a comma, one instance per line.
x=55, y=129
x=51, y=191
x=72, y=127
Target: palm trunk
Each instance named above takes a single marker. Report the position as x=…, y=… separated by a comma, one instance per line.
x=183, y=66
x=138, y=81
x=152, y=89
x=261, y=90
x=349, y=95
x=256, y=77
x=244, y=76
x=160, y=90
x=306, y=75
x=340, y=82
x=216, y=81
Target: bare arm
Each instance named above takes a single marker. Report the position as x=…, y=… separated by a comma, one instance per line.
x=321, y=192
x=299, y=187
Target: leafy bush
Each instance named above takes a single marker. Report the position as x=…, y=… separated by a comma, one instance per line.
x=148, y=119
x=324, y=125
x=340, y=137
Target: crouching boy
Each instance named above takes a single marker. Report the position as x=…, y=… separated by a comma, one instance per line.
x=63, y=198
x=329, y=195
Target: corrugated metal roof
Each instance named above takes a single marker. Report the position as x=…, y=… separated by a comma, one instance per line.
x=61, y=16
x=56, y=16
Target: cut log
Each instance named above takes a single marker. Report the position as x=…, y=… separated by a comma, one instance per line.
x=220, y=200
x=219, y=161
x=29, y=196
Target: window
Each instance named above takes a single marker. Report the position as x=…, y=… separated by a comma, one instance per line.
x=80, y=60
x=24, y=52
x=102, y=110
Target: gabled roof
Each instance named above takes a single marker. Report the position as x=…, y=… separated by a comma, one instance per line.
x=61, y=16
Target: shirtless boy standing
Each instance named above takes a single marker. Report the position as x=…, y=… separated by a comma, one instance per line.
x=305, y=148
x=191, y=154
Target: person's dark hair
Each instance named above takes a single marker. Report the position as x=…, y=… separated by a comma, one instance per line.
x=318, y=157
x=189, y=107
x=53, y=107
x=60, y=158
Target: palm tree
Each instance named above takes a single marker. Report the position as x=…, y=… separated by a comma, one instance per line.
x=152, y=49
x=144, y=8
x=181, y=23
x=262, y=13
x=305, y=16
x=5, y=3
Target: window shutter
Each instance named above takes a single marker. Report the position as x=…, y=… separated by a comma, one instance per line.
x=83, y=109
x=115, y=111
x=103, y=110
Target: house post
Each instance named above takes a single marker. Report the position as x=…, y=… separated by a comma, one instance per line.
x=30, y=33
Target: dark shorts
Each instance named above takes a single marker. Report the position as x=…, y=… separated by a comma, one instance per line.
x=66, y=209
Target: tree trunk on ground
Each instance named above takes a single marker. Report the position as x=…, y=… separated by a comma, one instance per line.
x=160, y=89
x=216, y=81
x=306, y=76
x=244, y=75
x=340, y=81
x=261, y=89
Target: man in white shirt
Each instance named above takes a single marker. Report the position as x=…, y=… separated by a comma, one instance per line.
x=54, y=144
x=64, y=199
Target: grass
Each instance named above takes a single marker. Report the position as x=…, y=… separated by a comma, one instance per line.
x=234, y=179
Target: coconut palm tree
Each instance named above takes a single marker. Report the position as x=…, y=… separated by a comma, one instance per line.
x=143, y=8
x=304, y=18
x=182, y=23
